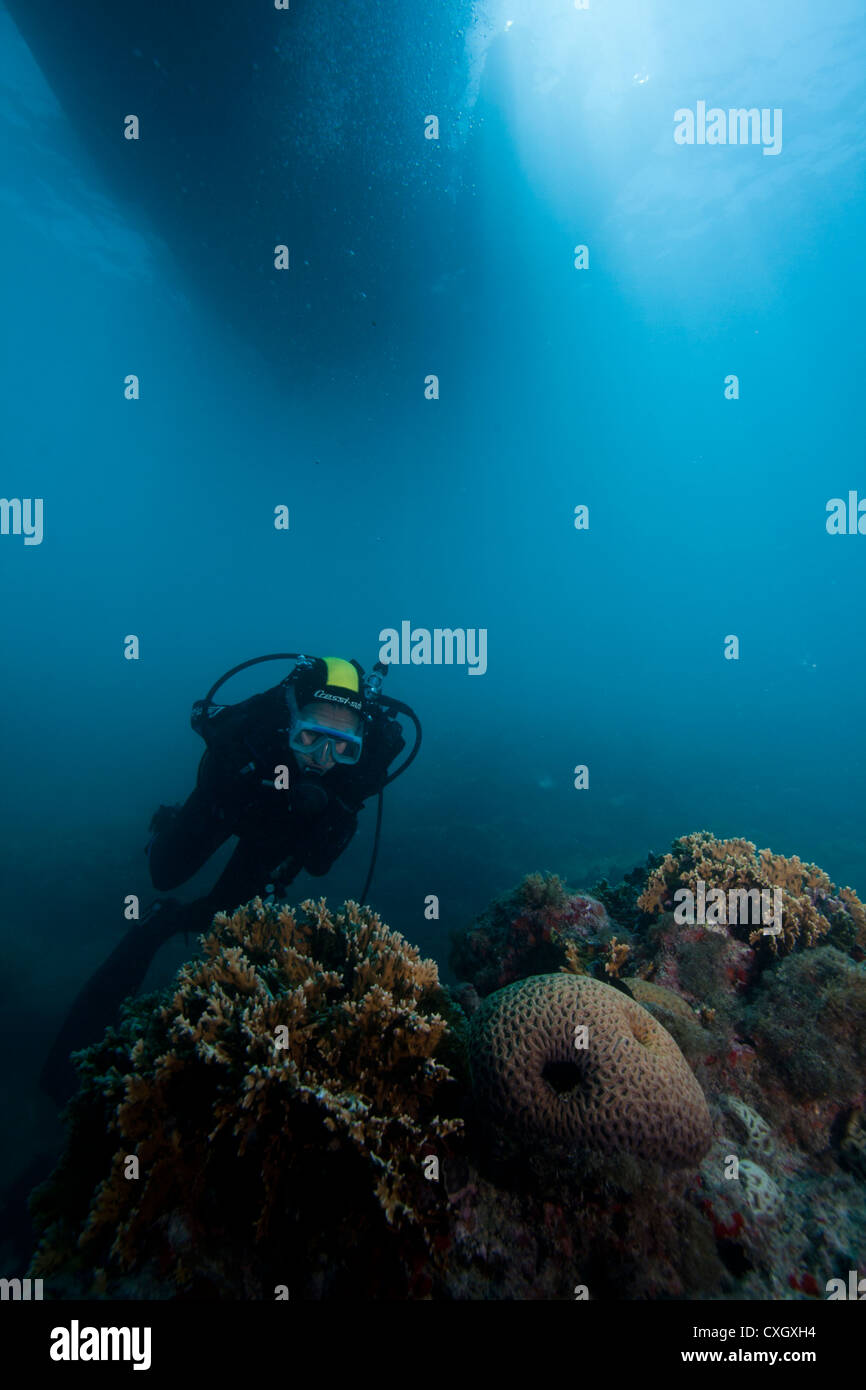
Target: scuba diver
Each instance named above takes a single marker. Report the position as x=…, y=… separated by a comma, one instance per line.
x=287, y=772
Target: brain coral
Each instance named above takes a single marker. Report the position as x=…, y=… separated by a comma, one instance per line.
x=278, y=1103
x=629, y=1089
x=763, y=1197
x=754, y=1129
x=645, y=992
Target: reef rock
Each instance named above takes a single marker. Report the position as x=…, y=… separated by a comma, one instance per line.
x=529, y=932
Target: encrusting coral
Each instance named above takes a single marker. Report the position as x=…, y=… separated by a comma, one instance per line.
x=279, y=1105
x=812, y=907
x=566, y=1059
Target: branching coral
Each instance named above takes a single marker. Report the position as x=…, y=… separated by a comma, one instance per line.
x=286, y=1092
x=617, y=954
x=573, y=963
x=811, y=905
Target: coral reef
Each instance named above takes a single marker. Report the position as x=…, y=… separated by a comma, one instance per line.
x=776, y=1040
x=812, y=908
x=538, y=891
x=621, y=899
x=567, y=1059
x=710, y=971
x=278, y=1104
x=282, y=1100
x=528, y=932
x=629, y=1236
x=744, y=1205
x=673, y=1013
x=808, y=1020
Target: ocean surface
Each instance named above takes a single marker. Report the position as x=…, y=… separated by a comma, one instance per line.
x=552, y=305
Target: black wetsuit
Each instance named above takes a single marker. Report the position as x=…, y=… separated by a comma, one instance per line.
x=280, y=832
x=305, y=826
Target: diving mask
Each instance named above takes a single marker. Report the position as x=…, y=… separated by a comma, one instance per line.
x=319, y=742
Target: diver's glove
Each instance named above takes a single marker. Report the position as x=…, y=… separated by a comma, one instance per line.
x=280, y=878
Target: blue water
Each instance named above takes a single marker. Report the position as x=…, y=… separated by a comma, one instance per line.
x=558, y=387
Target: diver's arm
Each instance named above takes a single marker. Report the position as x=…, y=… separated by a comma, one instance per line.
x=330, y=839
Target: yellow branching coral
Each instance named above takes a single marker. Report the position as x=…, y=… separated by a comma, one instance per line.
x=617, y=954
x=811, y=905
x=573, y=963
x=292, y=1068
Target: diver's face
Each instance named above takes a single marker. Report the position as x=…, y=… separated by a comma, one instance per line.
x=333, y=717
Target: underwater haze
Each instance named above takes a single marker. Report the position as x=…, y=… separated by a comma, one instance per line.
x=557, y=358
